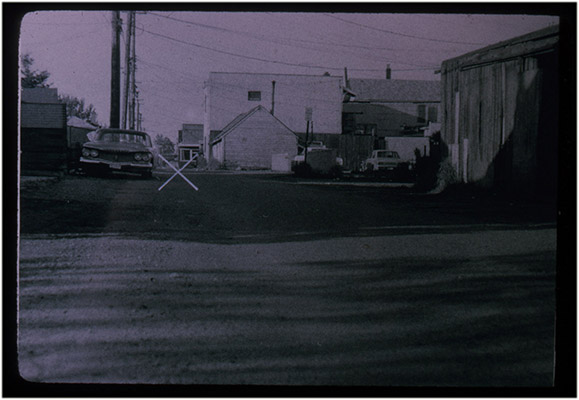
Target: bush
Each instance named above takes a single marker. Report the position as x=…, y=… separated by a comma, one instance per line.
x=426, y=173
x=445, y=177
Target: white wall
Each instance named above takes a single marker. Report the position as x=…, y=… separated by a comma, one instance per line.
x=405, y=146
x=227, y=97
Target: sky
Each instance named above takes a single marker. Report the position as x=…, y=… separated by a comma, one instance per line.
x=177, y=50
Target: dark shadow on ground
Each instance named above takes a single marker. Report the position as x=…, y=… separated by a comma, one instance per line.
x=262, y=209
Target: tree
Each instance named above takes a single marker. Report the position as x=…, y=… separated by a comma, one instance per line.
x=32, y=78
x=164, y=144
x=76, y=107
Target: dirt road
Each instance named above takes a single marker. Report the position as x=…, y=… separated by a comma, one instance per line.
x=372, y=311
x=414, y=306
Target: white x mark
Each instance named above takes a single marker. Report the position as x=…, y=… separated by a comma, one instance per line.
x=178, y=172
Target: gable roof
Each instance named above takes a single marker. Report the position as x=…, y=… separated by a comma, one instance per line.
x=76, y=122
x=39, y=95
x=520, y=46
x=272, y=74
x=240, y=119
x=395, y=91
x=43, y=115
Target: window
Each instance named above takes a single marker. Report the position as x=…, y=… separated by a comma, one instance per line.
x=421, y=113
x=427, y=114
x=186, y=154
x=432, y=114
x=348, y=122
x=254, y=96
x=366, y=129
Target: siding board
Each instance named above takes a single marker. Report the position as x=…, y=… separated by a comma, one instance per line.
x=501, y=91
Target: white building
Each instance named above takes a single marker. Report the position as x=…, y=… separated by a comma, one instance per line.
x=228, y=95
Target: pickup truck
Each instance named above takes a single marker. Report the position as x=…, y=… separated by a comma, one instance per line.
x=313, y=147
x=382, y=160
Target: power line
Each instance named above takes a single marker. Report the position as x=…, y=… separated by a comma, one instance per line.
x=373, y=48
x=66, y=39
x=403, y=34
x=288, y=42
x=274, y=61
x=187, y=75
x=69, y=23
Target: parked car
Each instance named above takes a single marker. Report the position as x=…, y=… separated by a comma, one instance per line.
x=119, y=150
x=382, y=160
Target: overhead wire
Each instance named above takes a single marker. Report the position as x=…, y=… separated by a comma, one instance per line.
x=274, y=61
x=65, y=40
x=288, y=42
x=403, y=34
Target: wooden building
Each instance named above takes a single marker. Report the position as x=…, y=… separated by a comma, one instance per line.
x=387, y=114
x=43, y=133
x=252, y=140
x=500, y=113
x=387, y=107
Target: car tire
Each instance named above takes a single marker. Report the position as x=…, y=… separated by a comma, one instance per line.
x=92, y=171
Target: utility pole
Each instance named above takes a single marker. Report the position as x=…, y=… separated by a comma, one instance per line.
x=127, y=70
x=272, y=97
x=133, y=68
x=115, y=71
x=307, y=139
x=139, y=116
x=309, y=113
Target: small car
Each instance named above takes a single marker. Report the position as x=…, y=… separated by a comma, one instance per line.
x=120, y=150
x=382, y=160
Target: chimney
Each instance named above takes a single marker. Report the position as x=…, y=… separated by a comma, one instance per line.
x=272, y=97
x=388, y=71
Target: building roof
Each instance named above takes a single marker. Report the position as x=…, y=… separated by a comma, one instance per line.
x=395, y=91
x=276, y=74
x=191, y=134
x=193, y=126
x=43, y=115
x=39, y=95
x=77, y=122
x=531, y=43
x=239, y=120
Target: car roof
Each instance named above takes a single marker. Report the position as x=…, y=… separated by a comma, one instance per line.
x=115, y=130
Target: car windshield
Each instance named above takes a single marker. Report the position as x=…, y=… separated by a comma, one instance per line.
x=387, y=154
x=125, y=137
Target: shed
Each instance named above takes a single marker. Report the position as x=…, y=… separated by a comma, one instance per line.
x=43, y=132
x=500, y=108
x=252, y=140
x=189, y=143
